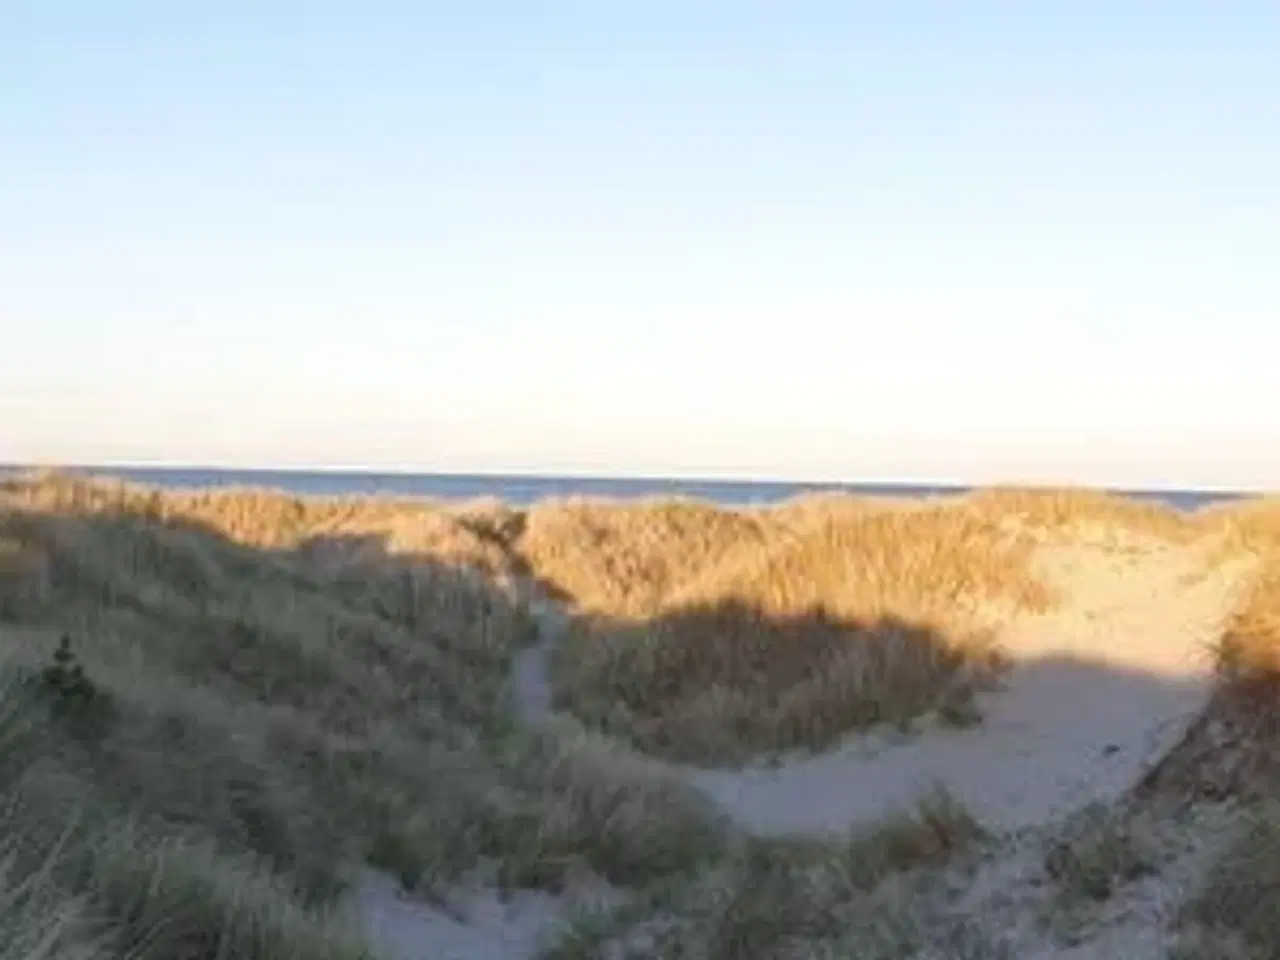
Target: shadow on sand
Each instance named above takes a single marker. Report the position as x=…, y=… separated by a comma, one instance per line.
x=1043, y=736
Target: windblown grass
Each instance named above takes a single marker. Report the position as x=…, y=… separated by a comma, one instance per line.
x=1250, y=648
x=848, y=895
x=1232, y=754
x=1077, y=510
x=262, y=724
x=331, y=529
x=1251, y=525
x=870, y=616
x=1233, y=749
x=622, y=559
x=917, y=563
x=808, y=509
x=625, y=558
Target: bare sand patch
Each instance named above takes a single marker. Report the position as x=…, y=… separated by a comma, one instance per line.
x=479, y=922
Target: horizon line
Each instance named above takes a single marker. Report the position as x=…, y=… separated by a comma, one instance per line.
x=644, y=476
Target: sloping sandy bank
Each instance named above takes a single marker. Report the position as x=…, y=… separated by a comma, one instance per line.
x=1100, y=689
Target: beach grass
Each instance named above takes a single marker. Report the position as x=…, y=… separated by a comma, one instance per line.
x=1075, y=511
x=847, y=894
x=871, y=616
x=242, y=728
x=621, y=559
x=1230, y=758
x=1232, y=751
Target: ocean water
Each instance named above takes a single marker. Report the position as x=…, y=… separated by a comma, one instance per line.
x=524, y=490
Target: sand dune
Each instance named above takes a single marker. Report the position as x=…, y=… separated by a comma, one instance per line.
x=1102, y=686
x=1100, y=689
x=369, y=673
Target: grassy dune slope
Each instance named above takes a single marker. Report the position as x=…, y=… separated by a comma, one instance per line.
x=869, y=615
x=1081, y=511
x=1232, y=756
x=259, y=724
x=1251, y=525
x=622, y=559
x=1234, y=751
x=324, y=528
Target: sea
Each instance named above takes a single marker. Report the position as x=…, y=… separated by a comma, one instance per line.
x=522, y=490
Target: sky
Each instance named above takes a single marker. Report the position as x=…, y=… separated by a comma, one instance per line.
x=814, y=240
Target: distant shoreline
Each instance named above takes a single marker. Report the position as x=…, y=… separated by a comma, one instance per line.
x=528, y=488
x=130, y=468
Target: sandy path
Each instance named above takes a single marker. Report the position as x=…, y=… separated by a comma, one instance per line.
x=478, y=927
x=1101, y=688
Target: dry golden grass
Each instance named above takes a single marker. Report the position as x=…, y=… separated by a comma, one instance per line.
x=1232, y=753
x=810, y=508
x=261, y=724
x=917, y=563
x=866, y=616
x=331, y=529
x=1250, y=525
x=1074, y=510
x=1251, y=642
x=1233, y=750
x=623, y=558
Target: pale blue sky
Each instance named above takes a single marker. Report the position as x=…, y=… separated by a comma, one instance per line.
x=910, y=240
